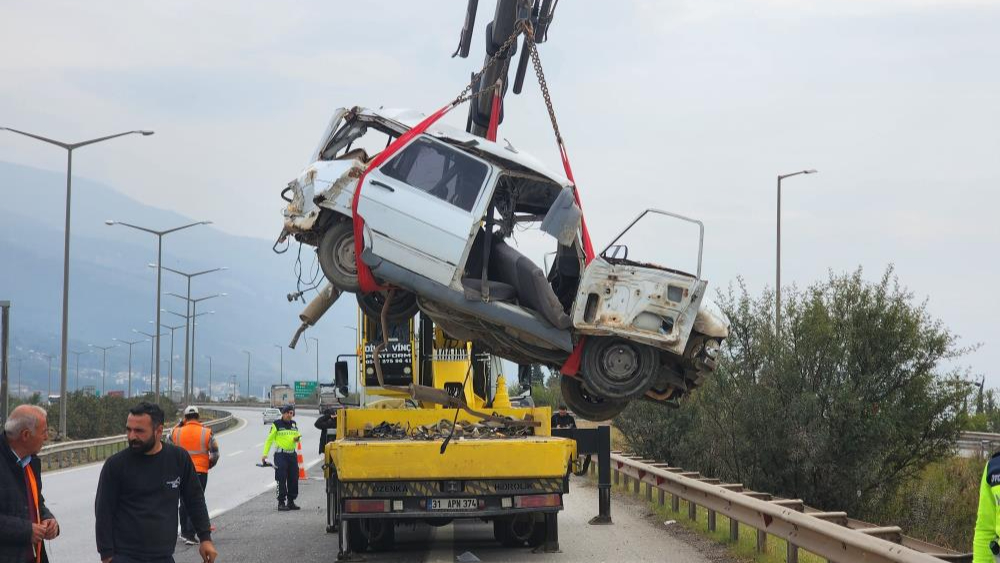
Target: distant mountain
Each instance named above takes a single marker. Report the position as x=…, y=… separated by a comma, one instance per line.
x=112, y=290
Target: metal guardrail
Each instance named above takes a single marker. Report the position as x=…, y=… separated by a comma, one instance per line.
x=77, y=452
x=831, y=535
x=978, y=444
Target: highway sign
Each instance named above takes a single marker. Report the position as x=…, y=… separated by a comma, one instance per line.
x=304, y=389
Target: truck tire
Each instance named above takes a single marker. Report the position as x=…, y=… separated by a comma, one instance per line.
x=402, y=307
x=336, y=256
x=587, y=405
x=516, y=530
x=616, y=368
x=357, y=539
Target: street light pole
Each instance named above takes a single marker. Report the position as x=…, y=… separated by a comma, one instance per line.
x=194, y=308
x=130, y=345
x=104, y=362
x=247, y=352
x=78, y=367
x=316, y=340
x=172, y=329
x=281, y=362
x=50, y=357
x=209, y=378
x=777, y=275
x=154, y=338
x=187, y=319
x=70, y=147
x=159, y=275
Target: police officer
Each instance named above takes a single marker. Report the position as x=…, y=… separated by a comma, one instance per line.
x=984, y=543
x=285, y=435
x=199, y=442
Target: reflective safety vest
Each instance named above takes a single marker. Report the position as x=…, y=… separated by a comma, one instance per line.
x=194, y=438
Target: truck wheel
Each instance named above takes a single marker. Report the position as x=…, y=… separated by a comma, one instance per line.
x=336, y=256
x=515, y=531
x=616, y=368
x=402, y=307
x=538, y=535
x=356, y=536
x=587, y=405
x=381, y=533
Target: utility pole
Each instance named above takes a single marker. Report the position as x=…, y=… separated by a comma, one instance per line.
x=777, y=275
x=159, y=276
x=104, y=365
x=69, y=147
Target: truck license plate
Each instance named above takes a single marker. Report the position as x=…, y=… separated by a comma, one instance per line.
x=452, y=504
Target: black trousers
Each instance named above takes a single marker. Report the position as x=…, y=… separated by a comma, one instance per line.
x=187, y=527
x=286, y=473
x=129, y=559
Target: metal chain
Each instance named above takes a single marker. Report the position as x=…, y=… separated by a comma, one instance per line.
x=529, y=39
x=522, y=27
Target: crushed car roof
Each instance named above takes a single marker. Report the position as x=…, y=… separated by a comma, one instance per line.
x=409, y=118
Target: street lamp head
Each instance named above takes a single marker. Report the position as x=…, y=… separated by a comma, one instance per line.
x=223, y=294
x=109, y=222
x=145, y=132
x=810, y=171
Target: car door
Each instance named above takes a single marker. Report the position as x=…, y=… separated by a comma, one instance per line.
x=423, y=206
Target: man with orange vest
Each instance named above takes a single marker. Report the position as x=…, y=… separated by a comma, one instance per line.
x=200, y=443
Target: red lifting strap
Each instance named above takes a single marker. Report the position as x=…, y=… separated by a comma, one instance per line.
x=365, y=278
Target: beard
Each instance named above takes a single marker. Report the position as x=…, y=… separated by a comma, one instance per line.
x=141, y=447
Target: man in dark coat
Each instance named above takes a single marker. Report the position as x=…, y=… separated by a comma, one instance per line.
x=25, y=521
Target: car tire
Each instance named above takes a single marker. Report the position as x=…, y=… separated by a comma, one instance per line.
x=586, y=405
x=337, y=257
x=402, y=307
x=616, y=368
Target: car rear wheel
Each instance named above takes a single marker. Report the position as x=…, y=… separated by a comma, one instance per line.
x=337, y=258
x=616, y=368
x=587, y=405
x=402, y=307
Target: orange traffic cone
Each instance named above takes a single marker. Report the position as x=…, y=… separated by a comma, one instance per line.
x=302, y=465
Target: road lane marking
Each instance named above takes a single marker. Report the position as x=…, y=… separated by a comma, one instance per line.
x=259, y=445
x=236, y=453
x=443, y=542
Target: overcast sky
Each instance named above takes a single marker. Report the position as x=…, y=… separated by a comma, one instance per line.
x=693, y=106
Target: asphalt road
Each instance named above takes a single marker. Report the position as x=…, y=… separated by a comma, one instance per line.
x=257, y=533
x=69, y=493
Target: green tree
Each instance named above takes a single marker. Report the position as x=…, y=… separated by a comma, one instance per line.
x=851, y=401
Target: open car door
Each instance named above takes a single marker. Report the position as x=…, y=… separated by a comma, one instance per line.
x=423, y=206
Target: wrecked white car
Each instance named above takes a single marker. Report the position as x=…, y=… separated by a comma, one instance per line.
x=438, y=215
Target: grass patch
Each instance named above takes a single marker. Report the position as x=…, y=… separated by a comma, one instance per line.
x=745, y=547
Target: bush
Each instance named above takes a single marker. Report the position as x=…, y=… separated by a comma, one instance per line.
x=95, y=417
x=850, y=403
x=939, y=504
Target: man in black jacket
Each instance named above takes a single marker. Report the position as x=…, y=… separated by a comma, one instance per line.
x=24, y=519
x=138, y=492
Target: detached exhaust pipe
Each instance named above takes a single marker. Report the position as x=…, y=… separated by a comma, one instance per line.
x=315, y=310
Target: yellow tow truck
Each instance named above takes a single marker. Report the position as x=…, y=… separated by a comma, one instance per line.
x=402, y=456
